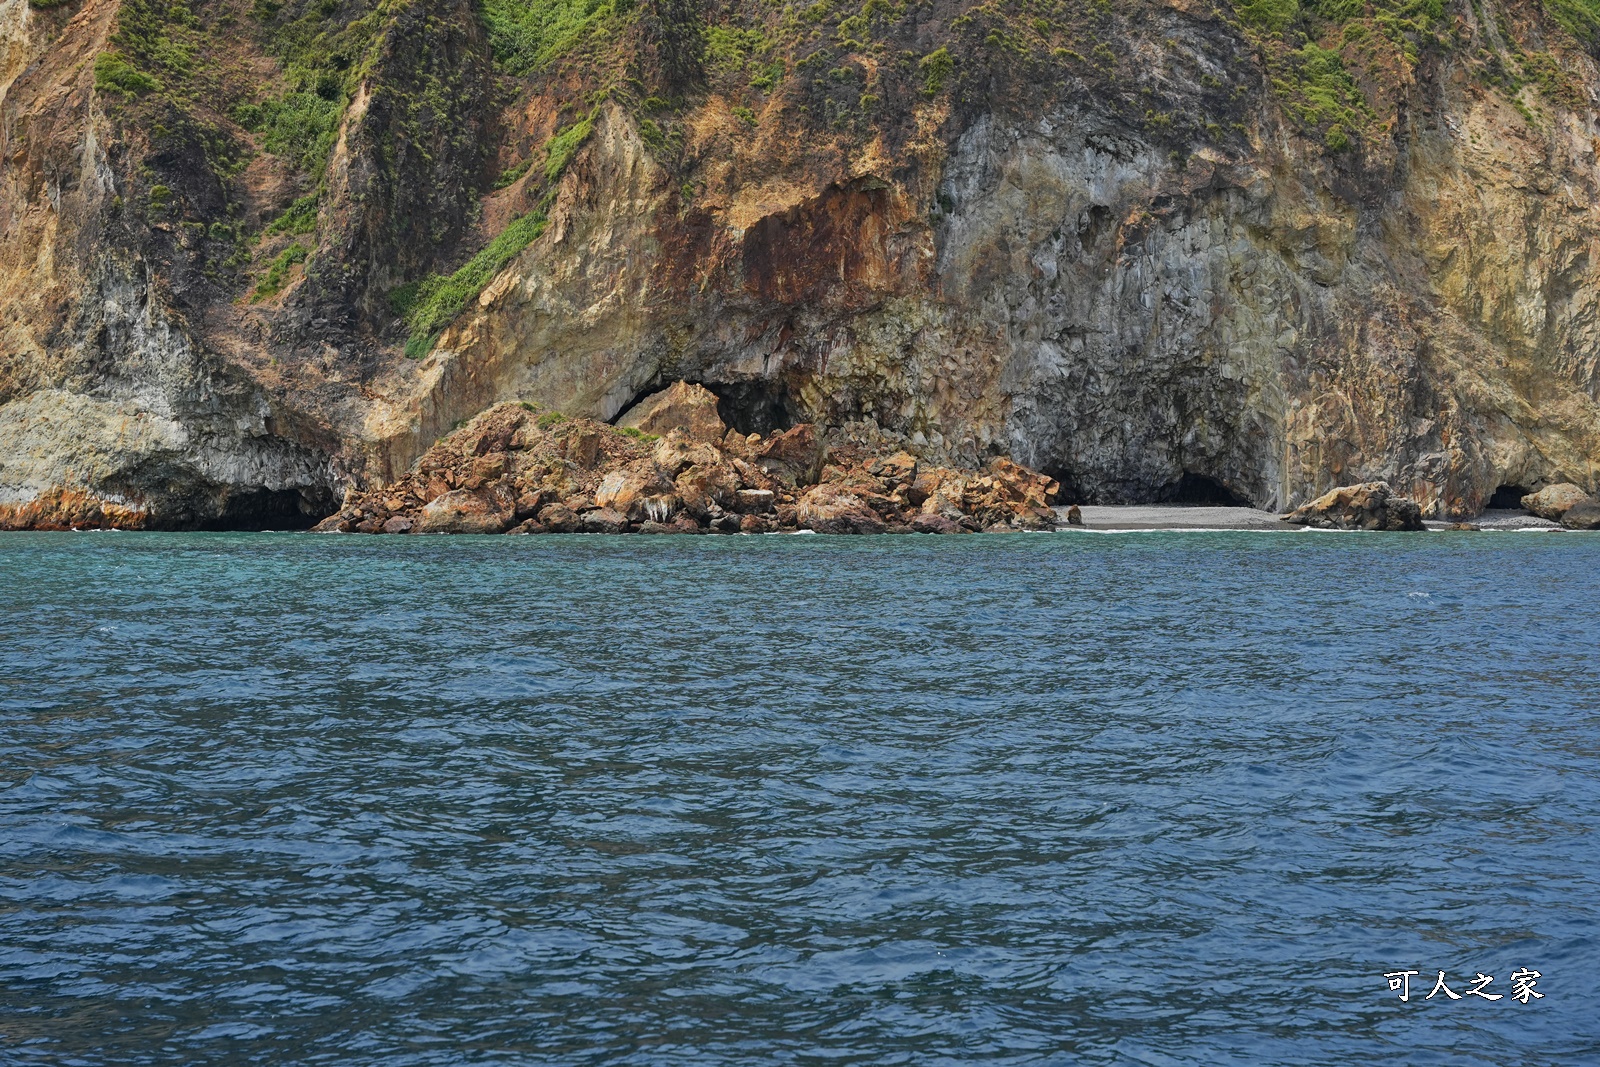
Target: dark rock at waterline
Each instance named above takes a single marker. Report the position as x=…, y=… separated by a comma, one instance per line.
x=1583, y=516
x=1368, y=506
x=605, y=521
x=935, y=524
x=558, y=518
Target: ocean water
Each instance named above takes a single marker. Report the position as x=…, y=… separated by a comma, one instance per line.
x=1041, y=799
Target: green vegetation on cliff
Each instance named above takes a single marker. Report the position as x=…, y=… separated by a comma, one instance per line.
x=433, y=303
x=527, y=34
x=1581, y=18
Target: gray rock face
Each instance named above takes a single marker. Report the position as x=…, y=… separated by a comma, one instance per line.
x=140, y=427
x=1077, y=301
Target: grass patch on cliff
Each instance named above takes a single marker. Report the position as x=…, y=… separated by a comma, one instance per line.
x=114, y=74
x=564, y=144
x=526, y=35
x=153, y=46
x=1581, y=18
x=302, y=125
x=301, y=217
x=432, y=304
x=1321, y=94
x=277, y=275
x=1309, y=46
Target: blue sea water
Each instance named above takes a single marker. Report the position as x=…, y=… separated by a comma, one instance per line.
x=1041, y=799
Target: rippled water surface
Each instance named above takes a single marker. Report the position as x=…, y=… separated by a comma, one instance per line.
x=1049, y=799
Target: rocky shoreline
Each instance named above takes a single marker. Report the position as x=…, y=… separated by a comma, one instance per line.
x=516, y=470
x=671, y=465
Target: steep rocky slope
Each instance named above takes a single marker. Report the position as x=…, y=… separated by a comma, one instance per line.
x=258, y=254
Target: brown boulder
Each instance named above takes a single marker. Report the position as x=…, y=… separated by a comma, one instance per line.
x=638, y=491
x=462, y=511
x=489, y=468
x=680, y=406
x=398, y=525
x=1583, y=516
x=528, y=504
x=1368, y=506
x=754, y=501
x=1008, y=492
x=946, y=504
x=934, y=524
x=1035, y=518
x=558, y=518
x=830, y=509
x=1554, y=501
x=582, y=446
x=605, y=521
x=899, y=469
x=677, y=452
x=705, y=485
x=793, y=457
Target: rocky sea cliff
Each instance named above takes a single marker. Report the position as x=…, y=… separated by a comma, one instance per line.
x=261, y=262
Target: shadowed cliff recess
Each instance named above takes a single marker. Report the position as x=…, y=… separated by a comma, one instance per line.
x=257, y=255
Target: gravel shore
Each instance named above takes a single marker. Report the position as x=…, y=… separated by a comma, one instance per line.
x=1115, y=517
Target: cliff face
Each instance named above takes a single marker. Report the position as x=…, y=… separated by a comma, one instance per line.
x=1162, y=251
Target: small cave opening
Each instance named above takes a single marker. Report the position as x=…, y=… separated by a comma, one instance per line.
x=1070, y=492
x=1507, y=498
x=758, y=406
x=1199, y=489
x=255, y=510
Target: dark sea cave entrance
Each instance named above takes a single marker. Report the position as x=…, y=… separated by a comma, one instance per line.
x=755, y=406
x=1203, y=490
x=254, y=510
x=1507, y=497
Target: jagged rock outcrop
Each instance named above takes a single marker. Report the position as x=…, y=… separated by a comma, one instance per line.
x=1154, y=250
x=680, y=406
x=513, y=470
x=1369, y=506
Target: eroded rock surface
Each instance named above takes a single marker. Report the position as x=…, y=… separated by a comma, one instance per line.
x=691, y=409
